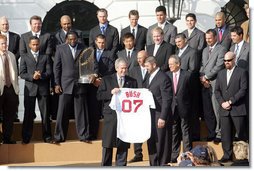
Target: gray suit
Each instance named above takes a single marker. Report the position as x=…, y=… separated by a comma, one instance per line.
x=132, y=62
x=45, y=43
x=243, y=59
x=197, y=41
x=210, y=67
x=226, y=40
x=169, y=30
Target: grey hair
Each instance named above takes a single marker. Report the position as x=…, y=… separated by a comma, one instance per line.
x=151, y=60
x=177, y=58
x=120, y=60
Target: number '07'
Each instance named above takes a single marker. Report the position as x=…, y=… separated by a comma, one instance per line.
x=127, y=105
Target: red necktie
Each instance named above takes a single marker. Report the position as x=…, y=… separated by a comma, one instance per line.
x=7, y=70
x=175, y=82
x=220, y=35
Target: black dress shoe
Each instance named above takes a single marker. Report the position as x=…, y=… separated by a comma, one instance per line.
x=173, y=161
x=209, y=138
x=224, y=160
x=48, y=140
x=16, y=120
x=9, y=142
x=136, y=159
x=217, y=140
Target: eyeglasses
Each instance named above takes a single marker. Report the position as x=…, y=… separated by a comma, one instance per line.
x=228, y=60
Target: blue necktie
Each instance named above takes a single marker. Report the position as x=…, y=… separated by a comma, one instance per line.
x=103, y=30
x=98, y=56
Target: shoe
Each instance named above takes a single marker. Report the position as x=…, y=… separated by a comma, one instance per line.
x=209, y=138
x=25, y=142
x=136, y=159
x=49, y=140
x=16, y=120
x=86, y=141
x=216, y=140
x=56, y=141
x=224, y=160
x=10, y=142
x=173, y=161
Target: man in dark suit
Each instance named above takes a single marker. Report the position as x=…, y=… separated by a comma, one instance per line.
x=137, y=30
x=109, y=86
x=12, y=42
x=45, y=40
x=190, y=62
x=129, y=53
x=66, y=71
x=111, y=33
x=9, y=90
x=169, y=29
x=195, y=37
x=66, y=26
x=241, y=48
x=141, y=75
x=160, y=142
x=212, y=63
x=181, y=107
x=222, y=30
x=231, y=89
x=104, y=65
x=35, y=69
x=160, y=49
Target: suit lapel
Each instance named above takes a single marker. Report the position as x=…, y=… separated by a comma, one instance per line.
x=138, y=33
x=62, y=36
x=194, y=32
x=180, y=81
x=11, y=41
x=231, y=78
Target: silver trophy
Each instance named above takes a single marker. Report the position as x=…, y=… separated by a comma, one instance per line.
x=86, y=65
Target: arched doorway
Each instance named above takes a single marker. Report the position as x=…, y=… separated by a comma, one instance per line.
x=83, y=16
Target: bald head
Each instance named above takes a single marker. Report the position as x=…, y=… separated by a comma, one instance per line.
x=65, y=23
x=141, y=57
x=229, y=60
x=4, y=24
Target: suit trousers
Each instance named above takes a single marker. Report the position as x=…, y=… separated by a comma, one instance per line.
x=209, y=115
x=180, y=131
x=27, y=127
x=138, y=150
x=121, y=156
x=81, y=116
x=8, y=106
x=228, y=123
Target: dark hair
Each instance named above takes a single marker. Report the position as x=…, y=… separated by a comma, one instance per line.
x=35, y=17
x=133, y=12
x=100, y=36
x=161, y=9
x=211, y=31
x=71, y=32
x=180, y=35
x=192, y=16
x=102, y=10
x=33, y=38
x=238, y=30
x=128, y=35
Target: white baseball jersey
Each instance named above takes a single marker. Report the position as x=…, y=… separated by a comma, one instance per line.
x=133, y=114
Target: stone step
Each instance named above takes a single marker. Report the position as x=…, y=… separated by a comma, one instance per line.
x=74, y=151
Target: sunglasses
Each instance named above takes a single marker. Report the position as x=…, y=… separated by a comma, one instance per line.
x=228, y=60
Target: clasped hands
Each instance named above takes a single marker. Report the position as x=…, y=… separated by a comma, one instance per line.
x=37, y=75
x=206, y=83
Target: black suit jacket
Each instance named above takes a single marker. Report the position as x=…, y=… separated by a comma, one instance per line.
x=105, y=66
x=46, y=46
x=162, y=55
x=108, y=83
x=182, y=98
x=28, y=66
x=226, y=40
x=236, y=91
x=161, y=88
x=66, y=69
x=60, y=37
x=136, y=73
x=132, y=62
x=140, y=40
x=112, y=37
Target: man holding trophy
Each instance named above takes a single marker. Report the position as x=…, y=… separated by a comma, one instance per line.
x=71, y=70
